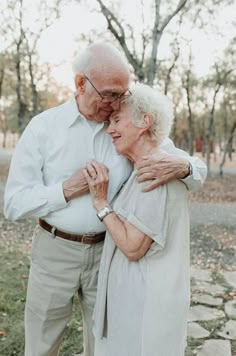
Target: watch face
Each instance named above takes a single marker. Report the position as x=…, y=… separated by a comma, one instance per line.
x=104, y=212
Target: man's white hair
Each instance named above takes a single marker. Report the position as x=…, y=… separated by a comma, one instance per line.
x=98, y=54
x=145, y=99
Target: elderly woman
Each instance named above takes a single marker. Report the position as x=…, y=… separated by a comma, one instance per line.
x=143, y=289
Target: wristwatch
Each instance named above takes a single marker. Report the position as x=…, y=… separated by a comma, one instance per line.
x=190, y=170
x=101, y=214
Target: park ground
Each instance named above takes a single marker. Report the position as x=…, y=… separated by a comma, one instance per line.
x=212, y=319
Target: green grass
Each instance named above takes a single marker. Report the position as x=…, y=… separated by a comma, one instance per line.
x=192, y=345
x=14, y=267
x=213, y=326
x=233, y=344
x=14, y=270
x=218, y=278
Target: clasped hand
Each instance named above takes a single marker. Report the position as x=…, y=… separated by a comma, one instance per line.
x=97, y=178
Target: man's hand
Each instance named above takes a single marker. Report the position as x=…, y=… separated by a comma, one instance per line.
x=160, y=169
x=75, y=186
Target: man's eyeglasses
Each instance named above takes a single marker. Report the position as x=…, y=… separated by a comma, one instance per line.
x=110, y=98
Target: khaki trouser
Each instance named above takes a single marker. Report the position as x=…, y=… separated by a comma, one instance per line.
x=59, y=269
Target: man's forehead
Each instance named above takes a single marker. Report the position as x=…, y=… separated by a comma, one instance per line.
x=110, y=79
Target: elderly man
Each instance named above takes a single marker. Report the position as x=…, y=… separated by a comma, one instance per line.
x=46, y=181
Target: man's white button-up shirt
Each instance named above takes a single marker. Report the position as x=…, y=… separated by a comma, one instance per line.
x=54, y=145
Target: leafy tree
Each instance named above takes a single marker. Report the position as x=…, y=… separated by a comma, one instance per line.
x=21, y=37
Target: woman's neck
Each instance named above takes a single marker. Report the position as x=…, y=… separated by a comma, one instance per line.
x=144, y=147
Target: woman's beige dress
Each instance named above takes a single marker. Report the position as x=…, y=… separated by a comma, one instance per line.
x=142, y=307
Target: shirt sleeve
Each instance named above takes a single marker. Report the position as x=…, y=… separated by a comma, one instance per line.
x=148, y=212
x=198, y=176
x=26, y=195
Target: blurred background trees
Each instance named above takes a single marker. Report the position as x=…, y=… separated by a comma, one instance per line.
x=161, y=41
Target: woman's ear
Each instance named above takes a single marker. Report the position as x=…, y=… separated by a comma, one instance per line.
x=146, y=121
x=80, y=80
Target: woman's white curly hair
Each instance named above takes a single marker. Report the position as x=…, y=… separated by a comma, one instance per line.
x=145, y=99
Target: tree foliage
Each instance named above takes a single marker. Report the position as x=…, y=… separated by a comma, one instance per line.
x=20, y=60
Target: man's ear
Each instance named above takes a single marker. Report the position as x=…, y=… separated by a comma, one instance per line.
x=80, y=80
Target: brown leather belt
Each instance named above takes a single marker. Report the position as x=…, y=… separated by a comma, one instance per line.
x=86, y=238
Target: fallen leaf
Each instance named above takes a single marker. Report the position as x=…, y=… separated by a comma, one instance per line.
x=3, y=332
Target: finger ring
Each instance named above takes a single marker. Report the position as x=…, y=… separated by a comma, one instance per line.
x=94, y=177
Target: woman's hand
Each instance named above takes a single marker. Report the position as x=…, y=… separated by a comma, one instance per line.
x=96, y=175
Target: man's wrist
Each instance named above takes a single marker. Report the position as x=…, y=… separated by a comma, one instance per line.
x=68, y=194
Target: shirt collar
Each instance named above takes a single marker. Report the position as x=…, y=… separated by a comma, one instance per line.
x=74, y=113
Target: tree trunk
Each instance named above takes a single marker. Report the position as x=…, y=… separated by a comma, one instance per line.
x=208, y=143
x=2, y=72
x=4, y=139
x=2, y=118
x=210, y=128
x=153, y=59
x=190, y=123
x=187, y=87
x=21, y=104
x=174, y=127
x=227, y=145
x=171, y=68
x=35, y=98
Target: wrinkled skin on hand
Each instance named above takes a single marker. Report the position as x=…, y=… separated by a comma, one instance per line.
x=161, y=168
x=97, y=178
x=75, y=186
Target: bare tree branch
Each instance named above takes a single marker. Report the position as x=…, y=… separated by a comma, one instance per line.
x=170, y=70
x=2, y=73
x=119, y=34
x=144, y=38
x=180, y=5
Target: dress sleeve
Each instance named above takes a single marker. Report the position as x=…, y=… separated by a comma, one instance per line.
x=147, y=211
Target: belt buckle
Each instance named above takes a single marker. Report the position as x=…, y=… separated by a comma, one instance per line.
x=84, y=236
x=53, y=231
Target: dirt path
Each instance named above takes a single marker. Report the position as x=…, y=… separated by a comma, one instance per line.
x=213, y=213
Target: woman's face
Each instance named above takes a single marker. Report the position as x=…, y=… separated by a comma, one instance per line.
x=123, y=132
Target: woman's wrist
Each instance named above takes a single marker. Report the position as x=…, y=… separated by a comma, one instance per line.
x=98, y=205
